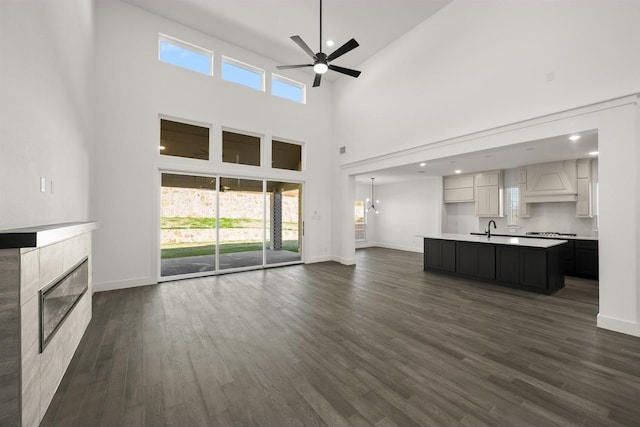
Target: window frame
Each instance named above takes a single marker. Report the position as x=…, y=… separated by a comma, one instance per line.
x=188, y=46
x=287, y=141
x=173, y=158
x=245, y=66
x=513, y=213
x=363, y=223
x=261, y=141
x=290, y=82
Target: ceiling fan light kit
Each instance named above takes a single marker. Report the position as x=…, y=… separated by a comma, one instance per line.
x=321, y=61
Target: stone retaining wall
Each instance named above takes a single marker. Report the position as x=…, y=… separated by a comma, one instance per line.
x=200, y=203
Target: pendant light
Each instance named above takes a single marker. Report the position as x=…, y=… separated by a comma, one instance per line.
x=373, y=203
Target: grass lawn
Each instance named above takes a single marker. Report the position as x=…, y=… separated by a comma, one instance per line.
x=181, y=250
x=182, y=223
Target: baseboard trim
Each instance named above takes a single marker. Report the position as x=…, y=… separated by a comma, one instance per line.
x=618, y=325
x=324, y=258
x=123, y=284
x=400, y=247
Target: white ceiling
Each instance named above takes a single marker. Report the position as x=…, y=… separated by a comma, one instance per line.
x=264, y=26
x=527, y=153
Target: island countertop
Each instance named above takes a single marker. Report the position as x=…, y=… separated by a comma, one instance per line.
x=498, y=240
x=530, y=236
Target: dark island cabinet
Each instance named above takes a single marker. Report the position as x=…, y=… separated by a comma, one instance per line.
x=567, y=254
x=586, y=259
x=531, y=268
x=579, y=257
x=440, y=254
x=508, y=264
x=476, y=260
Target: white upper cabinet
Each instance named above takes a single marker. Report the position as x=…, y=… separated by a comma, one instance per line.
x=585, y=190
x=458, y=188
x=489, y=194
x=551, y=182
x=523, y=206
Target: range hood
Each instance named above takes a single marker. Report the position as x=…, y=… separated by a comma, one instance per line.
x=550, y=182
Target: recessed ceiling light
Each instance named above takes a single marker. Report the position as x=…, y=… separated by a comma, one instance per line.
x=330, y=43
x=593, y=153
x=458, y=171
x=423, y=164
x=574, y=137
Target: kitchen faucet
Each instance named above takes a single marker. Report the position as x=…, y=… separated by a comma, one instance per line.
x=488, y=230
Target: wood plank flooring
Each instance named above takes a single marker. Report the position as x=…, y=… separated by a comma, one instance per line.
x=379, y=344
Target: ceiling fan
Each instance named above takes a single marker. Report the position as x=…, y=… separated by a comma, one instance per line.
x=321, y=60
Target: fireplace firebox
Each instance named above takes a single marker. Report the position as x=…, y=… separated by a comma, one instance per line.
x=59, y=298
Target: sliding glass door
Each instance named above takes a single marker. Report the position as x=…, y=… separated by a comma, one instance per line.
x=187, y=224
x=284, y=228
x=241, y=223
x=215, y=224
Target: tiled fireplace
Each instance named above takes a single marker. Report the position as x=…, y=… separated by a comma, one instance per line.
x=45, y=307
x=58, y=299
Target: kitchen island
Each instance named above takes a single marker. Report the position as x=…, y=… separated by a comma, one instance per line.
x=526, y=263
x=579, y=256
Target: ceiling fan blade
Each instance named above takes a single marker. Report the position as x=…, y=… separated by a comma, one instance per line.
x=316, y=81
x=304, y=46
x=350, y=45
x=347, y=71
x=286, y=67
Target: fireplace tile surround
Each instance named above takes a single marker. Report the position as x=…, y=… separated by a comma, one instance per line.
x=30, y=378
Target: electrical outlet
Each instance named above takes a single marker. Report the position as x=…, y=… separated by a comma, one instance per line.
x=43, y=185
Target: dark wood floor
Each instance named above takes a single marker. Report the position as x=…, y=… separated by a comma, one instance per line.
x=379, y=344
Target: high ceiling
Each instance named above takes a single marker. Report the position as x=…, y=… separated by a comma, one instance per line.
x=264, y=26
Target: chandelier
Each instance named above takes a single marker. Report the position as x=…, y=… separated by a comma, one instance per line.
x=373, y=203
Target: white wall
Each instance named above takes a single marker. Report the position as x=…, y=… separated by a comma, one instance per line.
x=46, y=109
x=134, y=88
x=476, y=65
x=407, y=210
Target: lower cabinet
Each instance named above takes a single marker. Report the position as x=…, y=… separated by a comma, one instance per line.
x=508, y=264
x=586, y=258
x=440, y=254
x=476, y=259
x=568, y=258
x=448, y=255
x=533, y=268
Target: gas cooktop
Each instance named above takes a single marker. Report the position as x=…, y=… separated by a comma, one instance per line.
x=549, y=234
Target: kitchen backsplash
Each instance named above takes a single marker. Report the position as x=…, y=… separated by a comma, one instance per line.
x=558, y=217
